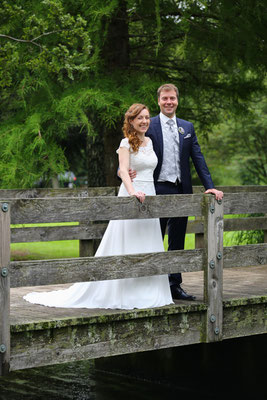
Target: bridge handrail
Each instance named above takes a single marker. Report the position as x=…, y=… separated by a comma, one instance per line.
x=89, y=209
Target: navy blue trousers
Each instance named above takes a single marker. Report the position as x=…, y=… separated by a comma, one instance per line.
x=176, y=226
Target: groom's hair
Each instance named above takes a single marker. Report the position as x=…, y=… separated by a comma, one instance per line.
x=168, y=86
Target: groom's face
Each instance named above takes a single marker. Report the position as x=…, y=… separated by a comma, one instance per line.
x=168, y=102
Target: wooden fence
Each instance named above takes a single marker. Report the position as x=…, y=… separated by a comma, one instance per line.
x=99, y=204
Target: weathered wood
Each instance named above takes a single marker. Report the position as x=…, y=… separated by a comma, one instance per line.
x=245, y=224
x=244, y=317
x=44, y=335
x=238, y=203
x=245, y=256
x=4, y=288
x=117, y=332
x=88, y=248
x=231, y=224
x=55, y=233
x=95, y=231
x=234, y=189
x=213, y=266
x=102, y=208
x=199, y=237
x=106, y=191
x=54, y=193
x=265, y=233
x=48, y=272
x=107, y=335
x=199, y=240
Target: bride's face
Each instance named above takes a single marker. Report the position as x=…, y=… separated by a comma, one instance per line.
x=141, y=122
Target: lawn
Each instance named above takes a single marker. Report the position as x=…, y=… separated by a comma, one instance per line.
x=70, y=248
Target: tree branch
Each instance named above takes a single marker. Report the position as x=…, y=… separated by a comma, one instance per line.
x=32, y=41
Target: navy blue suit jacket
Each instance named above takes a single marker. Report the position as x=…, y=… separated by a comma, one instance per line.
x=189, y=147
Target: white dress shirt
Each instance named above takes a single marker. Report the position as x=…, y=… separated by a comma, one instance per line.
x=170, y=170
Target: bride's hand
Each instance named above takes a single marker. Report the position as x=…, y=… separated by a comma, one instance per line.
x=140, y=196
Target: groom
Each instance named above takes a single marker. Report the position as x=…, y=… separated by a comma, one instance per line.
x=174, y=141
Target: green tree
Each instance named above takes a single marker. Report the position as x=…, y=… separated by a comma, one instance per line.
x=241, y=145
x=71, y=68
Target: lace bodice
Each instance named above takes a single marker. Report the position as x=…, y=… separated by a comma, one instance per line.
x=143, y=162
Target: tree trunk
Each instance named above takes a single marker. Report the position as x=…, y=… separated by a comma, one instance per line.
x=115, y=54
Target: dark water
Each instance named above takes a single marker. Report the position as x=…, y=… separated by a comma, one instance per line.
x=233, y=368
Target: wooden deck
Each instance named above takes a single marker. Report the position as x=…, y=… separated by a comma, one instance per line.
x=231, y=294
x=238, y=283
x=42, y=335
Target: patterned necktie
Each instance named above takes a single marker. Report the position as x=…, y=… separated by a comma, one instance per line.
x=170, y=123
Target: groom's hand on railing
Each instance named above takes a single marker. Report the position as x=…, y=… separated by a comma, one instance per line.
x=218, y=193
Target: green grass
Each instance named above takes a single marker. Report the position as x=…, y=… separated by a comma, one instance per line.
x=70, y=248
x=44, y=250
x=64, y=249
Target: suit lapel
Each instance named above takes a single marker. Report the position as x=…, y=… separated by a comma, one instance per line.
x=181, y=137
x=159, y=135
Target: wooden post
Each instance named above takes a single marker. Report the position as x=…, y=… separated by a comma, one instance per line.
x=213, y=266
x=199, y=237
x=87, y=248
x=4, y=288
x=265, y=233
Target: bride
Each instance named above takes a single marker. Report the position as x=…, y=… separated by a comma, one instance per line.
x=123, y=236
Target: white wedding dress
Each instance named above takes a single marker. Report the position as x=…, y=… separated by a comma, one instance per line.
x=121, y=237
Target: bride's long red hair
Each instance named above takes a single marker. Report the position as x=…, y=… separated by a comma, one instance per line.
x=128, y=130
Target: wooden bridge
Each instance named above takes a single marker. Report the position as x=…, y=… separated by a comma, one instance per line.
x=230, y=282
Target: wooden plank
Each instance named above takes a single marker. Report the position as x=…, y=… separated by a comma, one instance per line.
x=48, y=272
x=196, y=226
x=245, y=224
x=102, y=208
x=114, y=332
x=231, y=224
x=199, y=237
x=35, y=193
x=234, y=189
x=34, y=326
x=245, y=317
x=245, y=256
x=4, y=288
x=237, y=203
x=107, y=191
x=213, y=266
x=96, y=231
x=54, y=233
x=107, y=335
x=88, y=248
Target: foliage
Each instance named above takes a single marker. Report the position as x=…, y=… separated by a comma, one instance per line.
x=69, y=69
x=246, y=237
x=241, y=145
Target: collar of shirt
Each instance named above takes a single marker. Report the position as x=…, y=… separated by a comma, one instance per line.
x=164, y=119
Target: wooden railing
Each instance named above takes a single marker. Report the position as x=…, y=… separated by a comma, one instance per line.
x=90, y=234
x=87, y=206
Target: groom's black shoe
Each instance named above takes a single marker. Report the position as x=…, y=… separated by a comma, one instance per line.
x=179, y=294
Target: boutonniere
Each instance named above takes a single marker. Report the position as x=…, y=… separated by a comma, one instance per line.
x=181, y=130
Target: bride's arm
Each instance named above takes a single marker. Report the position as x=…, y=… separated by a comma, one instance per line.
x=124, y=163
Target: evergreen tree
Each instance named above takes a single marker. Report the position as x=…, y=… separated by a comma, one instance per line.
x=71, y=69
